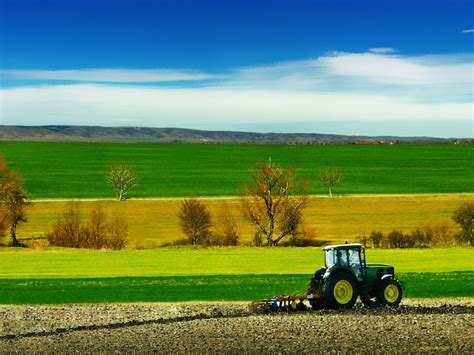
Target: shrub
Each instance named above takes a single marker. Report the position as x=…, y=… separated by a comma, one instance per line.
x=417, y=237
x=195, y=221
x=95, y=230
x=305, y=238
x=441, y=234
x=376, y=238
x=228, y=233
x=464, y=216
x=118, y=230
x=67, y=229
x=257, y=239
x=364, y=240
x=96, y=233
x=395, y=239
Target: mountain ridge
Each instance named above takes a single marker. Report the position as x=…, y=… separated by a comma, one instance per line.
x=129, y=134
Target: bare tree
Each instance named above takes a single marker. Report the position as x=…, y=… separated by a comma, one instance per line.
x=330, y=177
x=121, y=178
x=12, y=201
x=464, y=216
x=195, y=221
x=271, y=202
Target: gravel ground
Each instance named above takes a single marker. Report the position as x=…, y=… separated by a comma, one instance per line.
x=442, y=325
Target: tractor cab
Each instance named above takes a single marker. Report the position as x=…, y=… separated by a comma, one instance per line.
x=348, y=256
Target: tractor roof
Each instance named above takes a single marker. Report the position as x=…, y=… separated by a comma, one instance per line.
x=343, y=246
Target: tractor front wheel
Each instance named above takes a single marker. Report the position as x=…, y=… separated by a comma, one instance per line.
x=390, y=292
x=341, y=291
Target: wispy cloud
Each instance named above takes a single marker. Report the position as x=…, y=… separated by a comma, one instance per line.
x=337, y=86
x=468, y=31
x=382, y=50
x=109, y=75
x=439, y=78
x=130, y=105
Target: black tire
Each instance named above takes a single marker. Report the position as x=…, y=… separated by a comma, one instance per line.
x=390, y=292
x=341, y=291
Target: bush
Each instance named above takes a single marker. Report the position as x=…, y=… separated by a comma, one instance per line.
x=364, y=240
x=424, y=237
x=118, y=234
x=95, y=230
x=228, y=233
x=257, y=240
x=441, y=234
x=376, y=238
x=195, y=221
x=304, y=238
x=96, y=233
x=395, y=239
x=464, y=216
x=67, y=229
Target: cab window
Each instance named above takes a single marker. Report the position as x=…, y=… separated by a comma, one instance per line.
x=343, y=257
x=330, y=258
x=354, y=258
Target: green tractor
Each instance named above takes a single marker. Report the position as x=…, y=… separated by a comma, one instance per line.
x=346, y=276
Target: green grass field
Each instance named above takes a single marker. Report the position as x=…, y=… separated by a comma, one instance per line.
x=78, y=169
x=186, y=274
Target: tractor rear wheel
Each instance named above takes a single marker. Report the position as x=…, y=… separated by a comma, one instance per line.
x=390, y=292
x=341, y=291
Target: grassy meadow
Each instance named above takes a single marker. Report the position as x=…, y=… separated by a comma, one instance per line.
x=68, y=170
x=152, y=223
x=186, y=274
x=437, y=179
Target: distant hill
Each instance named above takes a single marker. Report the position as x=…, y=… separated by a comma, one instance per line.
x=181, y=135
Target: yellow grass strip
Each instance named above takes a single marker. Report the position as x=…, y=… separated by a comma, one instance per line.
x=153, y=222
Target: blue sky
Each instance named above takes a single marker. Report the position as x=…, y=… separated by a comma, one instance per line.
x=342, y=66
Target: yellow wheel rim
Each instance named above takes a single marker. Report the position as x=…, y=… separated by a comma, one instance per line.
x=343, y=291
x=391, y=293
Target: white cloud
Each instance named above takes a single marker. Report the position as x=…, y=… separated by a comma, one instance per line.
x=390, y=69
x=336, y=86
x=109, y=75
x=382, y=50
x=468, y=31
x=88, y=104
x=364, y=68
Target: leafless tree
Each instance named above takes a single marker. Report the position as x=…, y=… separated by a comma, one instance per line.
x=12, y=201
x=195, y=221
x=330, y=177
x=464, y=216
x=271, y=202
x=121, y=178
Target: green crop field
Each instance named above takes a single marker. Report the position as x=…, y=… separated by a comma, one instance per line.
x=78, y=169
x=186, y=274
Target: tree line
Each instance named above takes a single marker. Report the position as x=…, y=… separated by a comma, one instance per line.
x=273, y=201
